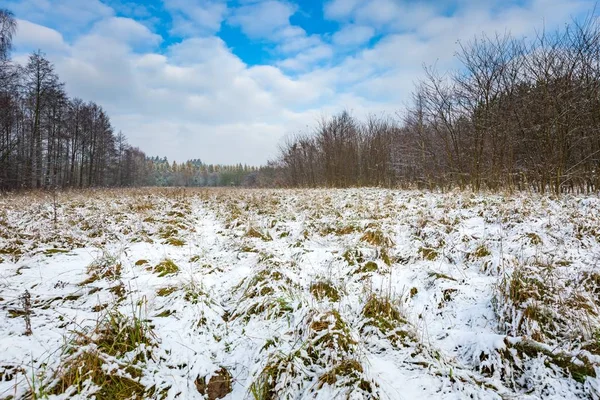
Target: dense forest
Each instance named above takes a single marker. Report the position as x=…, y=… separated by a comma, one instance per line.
x=518, y=113
x=196, y=173
x=51, y=140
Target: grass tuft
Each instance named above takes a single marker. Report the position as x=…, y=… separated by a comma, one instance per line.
x=175, y=242
x=94, y=360
x=369, y=266
x=381, y=313
x=166, y=291
x=325, y=289
x=377, y=238
x=106, y=267
x=85, y=368
x=166, y=267
x=428, y=254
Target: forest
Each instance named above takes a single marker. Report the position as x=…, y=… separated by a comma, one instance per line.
x=519, y=113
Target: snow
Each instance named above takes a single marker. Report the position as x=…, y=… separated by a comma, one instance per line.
x=211, y=320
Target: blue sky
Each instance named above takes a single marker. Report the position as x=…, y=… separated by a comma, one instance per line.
x=226, y=81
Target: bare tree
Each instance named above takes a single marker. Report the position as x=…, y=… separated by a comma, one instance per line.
x=8, y=28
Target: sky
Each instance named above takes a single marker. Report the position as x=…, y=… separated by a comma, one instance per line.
x=227, y=81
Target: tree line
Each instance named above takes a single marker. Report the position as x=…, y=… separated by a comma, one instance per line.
x=519, y=113
x=195, y=173
x=49, y=139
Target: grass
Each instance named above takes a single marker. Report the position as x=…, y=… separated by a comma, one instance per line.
x=270, y=307
x=166, y=291
x=118, y=290
x=524, y=290
x=268, y=385
x=534, y=238
x=385, y=257
x=105, y=267
x=593, y=343
x=480, y=252
x=579, y=367
x=167, y=232
x=255, y=233
x=329, y=337
x=265, y=282
x=90, y=367
x=377, y=238
x=15, y=252
x=535, y=302
x=413, y=292
x=438, y=275
x=348, y=373
x=119, y=334
x=347, y=368
x=369, y=266
x=428, y=253
x=546, y=298
x=175, y=242
x=96, y=358
x=339, y=230
x=325, y=290
x=166, y=267
x=353, y=257
x=268, y=293
x=193, y=293
x=50, y=252
x=382, y=314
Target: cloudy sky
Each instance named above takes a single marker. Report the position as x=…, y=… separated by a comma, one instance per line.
x=225, y=81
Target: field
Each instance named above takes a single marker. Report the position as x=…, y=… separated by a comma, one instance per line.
x=296, y=294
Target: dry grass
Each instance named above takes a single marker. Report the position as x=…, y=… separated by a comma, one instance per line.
x=93, y=360
x=377, y=238
x=325, y=250
x=381, y=313
x=165, y=267
x=325, y=290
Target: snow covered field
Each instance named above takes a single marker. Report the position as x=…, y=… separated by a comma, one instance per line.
x=294, y=294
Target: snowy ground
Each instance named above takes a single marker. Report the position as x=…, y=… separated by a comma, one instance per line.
x=296, y=294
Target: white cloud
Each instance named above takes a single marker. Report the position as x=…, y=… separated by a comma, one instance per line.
x=270, y=20
x=68, y=16
x=383, y=15
x=353, y=35
x=250, y=143
x=307, y=58
x=32, y=37
x=130, y=9
x=295, y=40
x=263, y=19
x=291, y=92
x=196, y=17
x=196, y=100
x=210, y=50
x=340, y=9
x=126, y=30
